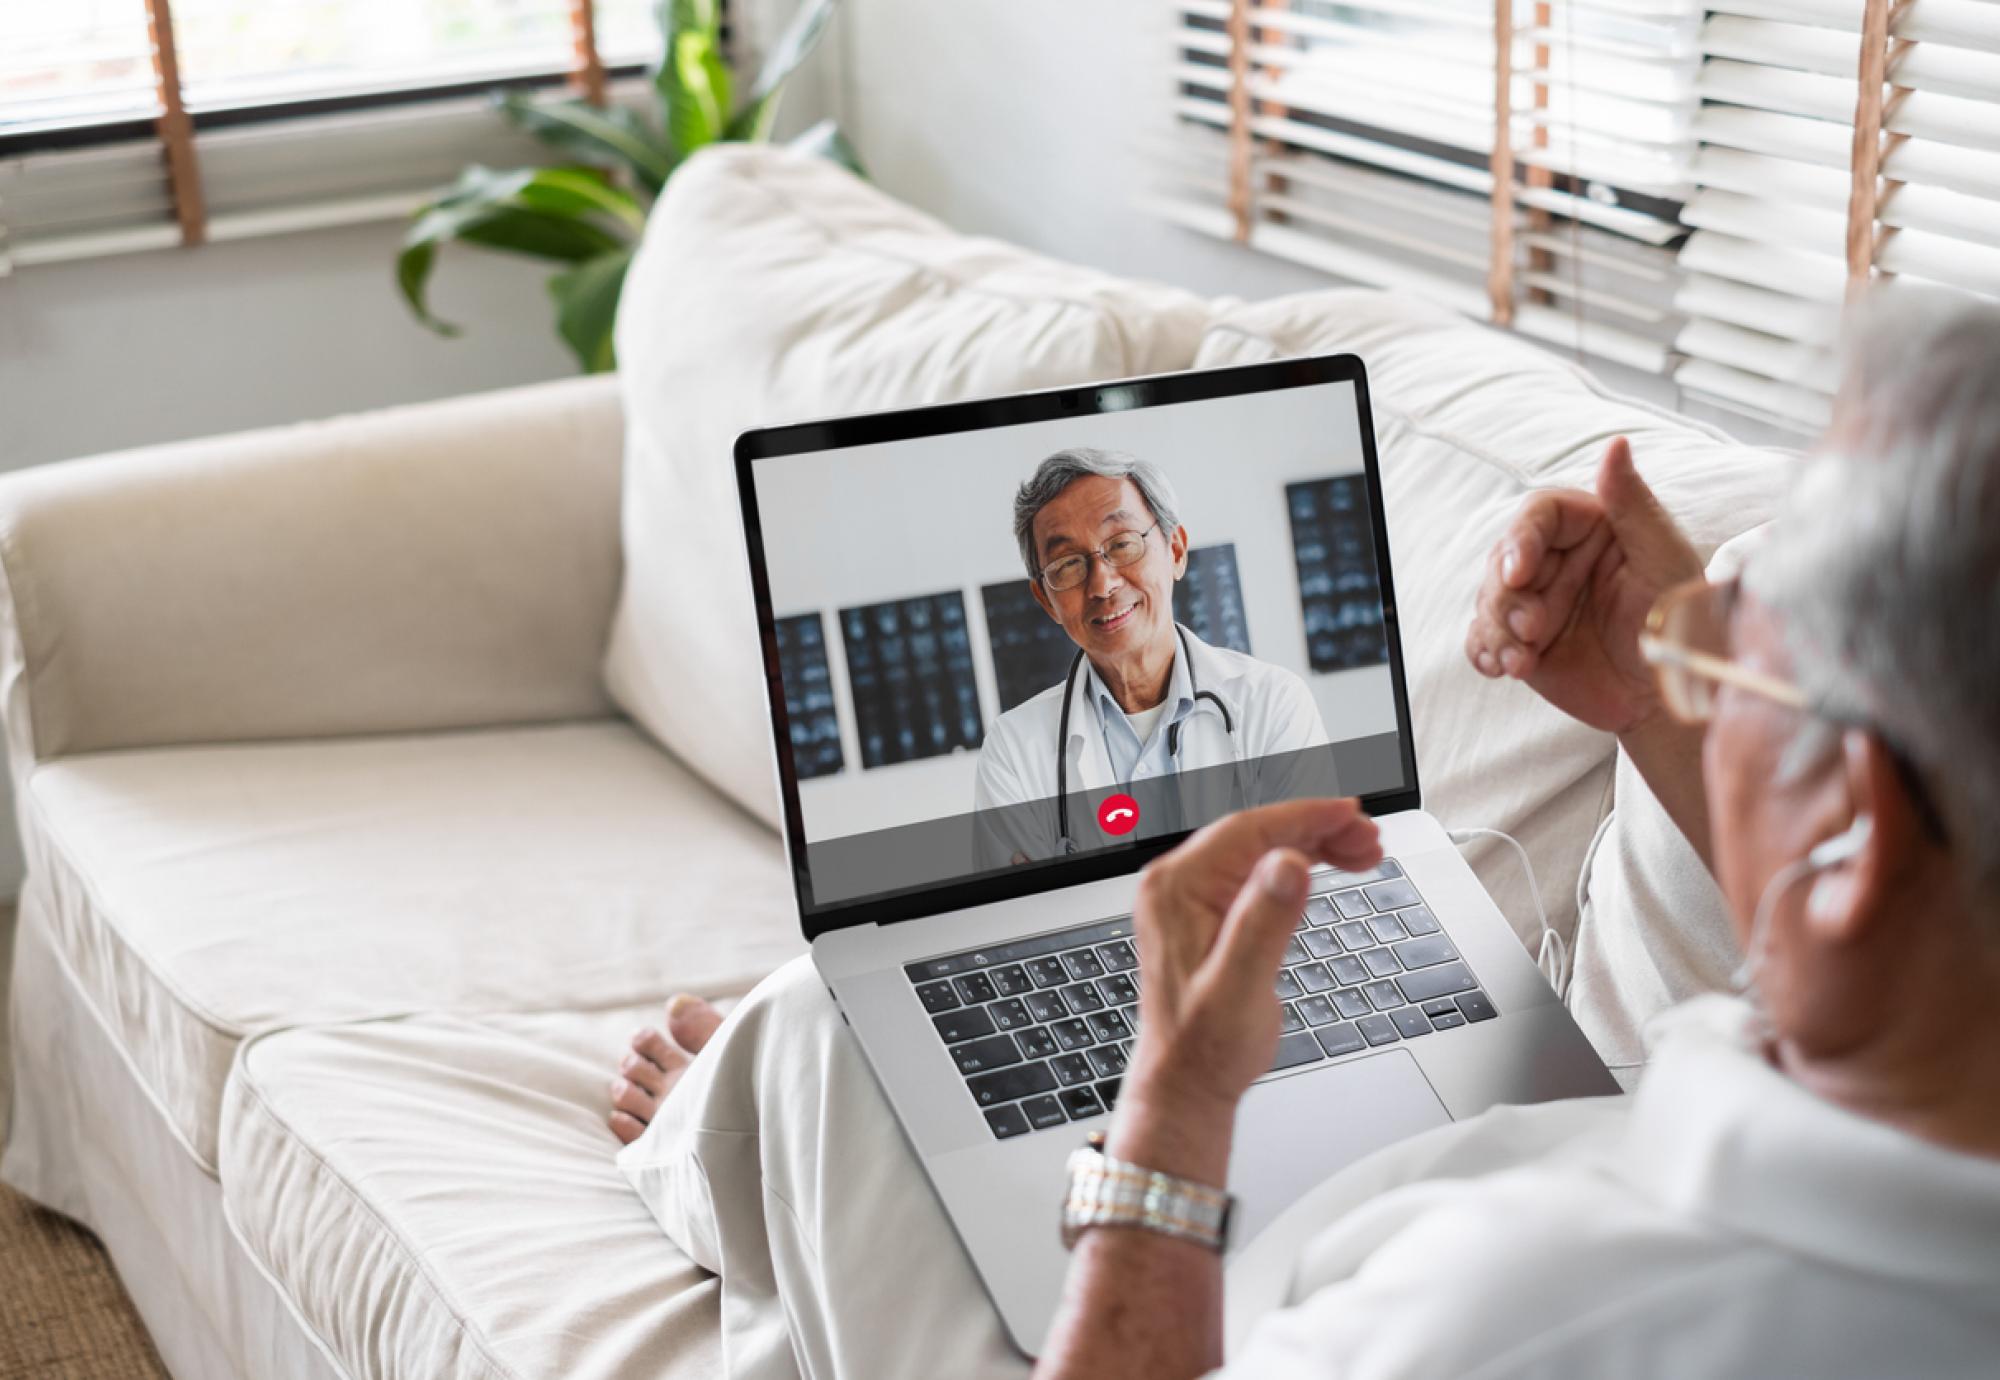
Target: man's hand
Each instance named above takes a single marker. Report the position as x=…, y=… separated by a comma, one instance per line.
x=1568, y=588
x=1212, y=920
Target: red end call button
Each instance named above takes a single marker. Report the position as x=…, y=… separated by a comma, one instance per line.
x=1119, y=814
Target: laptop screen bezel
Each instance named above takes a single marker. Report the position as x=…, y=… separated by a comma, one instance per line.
x=1055, y=404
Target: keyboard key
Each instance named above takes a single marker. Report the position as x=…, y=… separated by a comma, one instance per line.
x=1107, y=1092
x=1476, y=1007
x=1389, y=867
x=1042, y=1112
x=1009, y=1085
x=1287, y=986
x=1007, y=1122
x=1295, y=952
x=1352, y=905
x=1289, y=1019
x=1322, y=943
x=1072, y=1034
x=1294, y=1050
x=1381, y=963
x=1072, y=1068
x=1418, y=920
x=1422, y=953
x=1383, y=995
x=1048, y=972
x=982, y=1056
x=975, y=988
x=937, y=968
x=1314, y=977
x=1411, y=1022
x=1082, y=997
x=1438, y=981
x=1349, y=969
x=1378, y=1030
x=1035, y=1043
x=1108, y=1025
x=1350, y=1003
x=1047, y=1006
x=1119, y=957
x=937, y=996
x=1011, y=981
x=1391, y=895
x=1340, y=1039
x=1108, y=1060
x=962, y=1025
x=1316, y=1011
x=1355, y=935
x=1388, y=929
x=1009, y=1015
x=1080, y=1102
x=1443, y=1006
x=1084, y=964
x=1131, y=1015
x=1117, y=990
x=1448, y=1021
x=1321, y=911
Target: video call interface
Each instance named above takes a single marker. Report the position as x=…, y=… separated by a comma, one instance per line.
x=1239, y=657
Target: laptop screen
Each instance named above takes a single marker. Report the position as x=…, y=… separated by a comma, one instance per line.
x=1008, y=639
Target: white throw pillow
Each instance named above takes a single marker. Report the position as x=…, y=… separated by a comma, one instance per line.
x=773, y=287
x=1468, y=421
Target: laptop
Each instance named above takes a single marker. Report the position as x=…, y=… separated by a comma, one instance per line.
x=964, y=832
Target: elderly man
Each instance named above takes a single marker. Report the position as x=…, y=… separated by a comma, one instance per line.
x=1145, y=699
x=1807, y=1181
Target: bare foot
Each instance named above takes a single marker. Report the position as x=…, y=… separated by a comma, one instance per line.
x=648, y=1071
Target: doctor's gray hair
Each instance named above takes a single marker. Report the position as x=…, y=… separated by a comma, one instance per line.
x=1063, y=468
x=1886, y=561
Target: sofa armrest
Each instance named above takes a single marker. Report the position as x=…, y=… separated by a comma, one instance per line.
x=446, y=565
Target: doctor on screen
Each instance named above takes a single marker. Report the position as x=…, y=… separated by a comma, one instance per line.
x=1101, y=536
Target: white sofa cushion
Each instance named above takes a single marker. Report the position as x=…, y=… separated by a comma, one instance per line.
x=438, y=1197
x=1468, y=422
x=774, y=288
x=201, y=895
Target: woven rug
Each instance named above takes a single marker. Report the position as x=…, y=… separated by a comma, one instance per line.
x=63, y=1314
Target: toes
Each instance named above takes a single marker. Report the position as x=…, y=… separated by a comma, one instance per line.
x=643, y=1071
x=692, y=1022
x=654, y=1046
x=629, y=1097
x=626, y=1127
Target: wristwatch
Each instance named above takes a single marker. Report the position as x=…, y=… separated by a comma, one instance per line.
x=1106, y=1192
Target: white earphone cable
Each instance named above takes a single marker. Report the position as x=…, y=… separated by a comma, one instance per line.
x=1552, y=956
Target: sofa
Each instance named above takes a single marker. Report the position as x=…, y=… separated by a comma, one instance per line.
x=377, y=776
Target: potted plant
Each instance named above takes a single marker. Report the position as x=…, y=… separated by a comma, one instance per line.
x=588, y=213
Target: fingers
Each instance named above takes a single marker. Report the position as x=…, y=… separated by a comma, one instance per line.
x=1325, y=830
x=1653, y=542
x=628, y=1097
x=636, y=1068
x=1551, y=521
x=692, y=1022
x=1535, y=577
x=1265, y=914
x=656, y=1047
x=626, y=1127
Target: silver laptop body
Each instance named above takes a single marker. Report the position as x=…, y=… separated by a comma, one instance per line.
x=995, y=1001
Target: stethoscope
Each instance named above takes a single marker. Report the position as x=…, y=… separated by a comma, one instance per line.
x=1173, y=732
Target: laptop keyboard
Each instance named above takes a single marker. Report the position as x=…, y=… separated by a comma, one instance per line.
x=1041, y=1028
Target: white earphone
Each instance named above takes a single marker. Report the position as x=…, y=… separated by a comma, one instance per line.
x=1842, y=846
x=1830, y=853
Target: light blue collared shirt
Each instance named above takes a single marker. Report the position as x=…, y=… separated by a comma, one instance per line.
x=1132, y=760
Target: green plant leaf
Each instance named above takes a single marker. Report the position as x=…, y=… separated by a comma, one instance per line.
x=794, y=46
x=610, y=137
x=824, y=140
x=695, y=82
x=587, y=307
x=494, y=209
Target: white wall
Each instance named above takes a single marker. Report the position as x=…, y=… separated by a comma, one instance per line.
x=893, y=521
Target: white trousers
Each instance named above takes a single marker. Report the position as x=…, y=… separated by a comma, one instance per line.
x=776, y=1164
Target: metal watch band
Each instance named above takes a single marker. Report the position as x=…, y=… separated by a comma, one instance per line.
x=1107, y=1192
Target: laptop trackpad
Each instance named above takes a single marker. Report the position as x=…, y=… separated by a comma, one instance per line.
x=1293, y=1134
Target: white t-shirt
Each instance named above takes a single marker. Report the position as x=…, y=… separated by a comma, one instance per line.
x=1722, y=1221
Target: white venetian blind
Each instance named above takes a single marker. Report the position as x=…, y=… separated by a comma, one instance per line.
x=1367, y=139
x=1840, y=140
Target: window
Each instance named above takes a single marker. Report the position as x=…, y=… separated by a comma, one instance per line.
x=1687, y=189
x=389, y=96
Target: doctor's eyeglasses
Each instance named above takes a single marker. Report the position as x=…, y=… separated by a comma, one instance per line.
x=1124, y=548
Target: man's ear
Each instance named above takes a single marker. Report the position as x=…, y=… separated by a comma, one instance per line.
x=1042, y=598
x=1850, y=897
x=1177, y=547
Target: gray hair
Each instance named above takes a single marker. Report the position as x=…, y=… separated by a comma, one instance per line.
x=1057, y=473
x=1886, y=564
